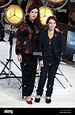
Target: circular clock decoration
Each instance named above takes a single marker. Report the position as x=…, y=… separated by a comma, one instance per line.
x=14, y=14
x=45, y=12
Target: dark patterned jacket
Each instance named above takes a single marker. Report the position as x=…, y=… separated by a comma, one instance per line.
x=27, y=37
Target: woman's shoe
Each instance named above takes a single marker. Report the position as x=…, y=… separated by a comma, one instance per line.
x=37, y=99
x=29, y=100
x=23, y=98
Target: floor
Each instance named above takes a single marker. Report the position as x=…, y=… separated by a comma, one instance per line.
x=10, y=87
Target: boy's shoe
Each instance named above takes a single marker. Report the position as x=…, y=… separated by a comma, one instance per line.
x=48, y=99
x=37, y=99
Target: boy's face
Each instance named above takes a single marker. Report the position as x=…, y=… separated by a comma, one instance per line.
x=51, y=24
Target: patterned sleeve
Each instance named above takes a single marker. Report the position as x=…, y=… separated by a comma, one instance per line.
x=23, y=35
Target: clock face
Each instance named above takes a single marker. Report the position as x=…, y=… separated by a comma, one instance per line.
x=14, y=14
x=54, y=4
x=45, y=12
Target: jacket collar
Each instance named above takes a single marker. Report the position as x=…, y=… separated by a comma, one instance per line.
x=30, y=23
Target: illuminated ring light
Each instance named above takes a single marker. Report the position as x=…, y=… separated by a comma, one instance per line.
x=45, y=12
x=53, y=1
x=58, y=2
x=14, y=14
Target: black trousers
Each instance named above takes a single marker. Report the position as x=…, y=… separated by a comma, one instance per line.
x=47, y=73
x=28, y=67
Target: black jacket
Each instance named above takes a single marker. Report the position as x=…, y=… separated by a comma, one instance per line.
x=56, y=46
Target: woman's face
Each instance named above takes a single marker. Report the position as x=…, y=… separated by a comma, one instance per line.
x=33, y=14
x=51, y=24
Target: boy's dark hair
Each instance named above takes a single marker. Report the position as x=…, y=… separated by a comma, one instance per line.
x=51, y=17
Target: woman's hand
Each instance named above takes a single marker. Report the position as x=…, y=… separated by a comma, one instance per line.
x=19, y=57
x=57, y=30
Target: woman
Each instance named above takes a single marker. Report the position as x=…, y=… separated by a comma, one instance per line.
x=26, y=45
x=51, y=46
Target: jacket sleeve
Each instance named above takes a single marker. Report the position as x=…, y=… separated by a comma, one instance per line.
x=22, y=34
x=40, y=45
x=61, y=44
x=18, y=46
